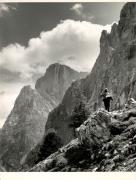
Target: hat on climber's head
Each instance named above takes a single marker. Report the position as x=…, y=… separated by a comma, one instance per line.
x=106, y=90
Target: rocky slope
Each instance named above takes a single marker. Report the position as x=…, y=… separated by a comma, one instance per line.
x=25, y=126
x=56, y=80
x=115, y=68
x=106, y=141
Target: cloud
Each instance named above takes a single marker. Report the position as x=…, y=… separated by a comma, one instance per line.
x=73, y=43
x=77, y=8
x=6, y=8
x=12, y=59
x=76, y=39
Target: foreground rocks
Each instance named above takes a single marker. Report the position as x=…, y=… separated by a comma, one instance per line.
x=105, y=142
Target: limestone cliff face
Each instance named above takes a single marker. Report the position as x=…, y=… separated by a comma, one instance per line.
x=56, y=80
x=24, y=127
x=115, y=68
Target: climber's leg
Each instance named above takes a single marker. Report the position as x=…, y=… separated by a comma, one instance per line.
x=107, y=104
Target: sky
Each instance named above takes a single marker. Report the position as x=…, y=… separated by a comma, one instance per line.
x=35, y=35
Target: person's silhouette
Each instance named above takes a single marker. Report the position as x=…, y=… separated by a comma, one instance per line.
x=106, y=98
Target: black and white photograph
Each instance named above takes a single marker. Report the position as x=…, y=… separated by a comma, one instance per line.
x=68, y=87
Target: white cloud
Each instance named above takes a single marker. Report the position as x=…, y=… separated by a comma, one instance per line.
x=74, y=43
x=79, y=39
x=77, y=8
x=5, y=8
x=12, y=58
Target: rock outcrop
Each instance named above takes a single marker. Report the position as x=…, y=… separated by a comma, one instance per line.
x=115, y=68
x=106, y=141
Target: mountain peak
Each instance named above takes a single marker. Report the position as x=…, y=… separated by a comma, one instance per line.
x=56, y=65
x=128, y=11
x=56, y=80
x=127, y=23
x=27, y=89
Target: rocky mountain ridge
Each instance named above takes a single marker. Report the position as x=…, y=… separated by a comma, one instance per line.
x=25, y=126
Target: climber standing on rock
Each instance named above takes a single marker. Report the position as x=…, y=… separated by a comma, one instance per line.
x=106, y=98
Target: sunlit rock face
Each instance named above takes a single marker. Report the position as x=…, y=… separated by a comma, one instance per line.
x=95, y=131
